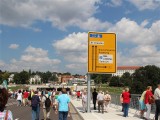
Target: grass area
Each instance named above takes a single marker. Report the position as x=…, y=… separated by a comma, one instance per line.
x=105, y=87
x=18, y=87
x=116, y=90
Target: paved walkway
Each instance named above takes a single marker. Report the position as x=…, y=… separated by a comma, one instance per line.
x=114, y=113
x=24, y=112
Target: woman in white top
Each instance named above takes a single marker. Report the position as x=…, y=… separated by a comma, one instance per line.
x=107, y=100
x=4, y=114
x=84, y=101
x=19, y=98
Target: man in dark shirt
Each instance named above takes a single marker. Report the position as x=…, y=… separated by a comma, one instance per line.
x=94, y=95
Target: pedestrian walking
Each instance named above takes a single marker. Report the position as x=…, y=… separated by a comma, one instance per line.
x=121, y=100
x=126, y=100
x=25, y=98
x=4, y=114
x=148, y=101
x=94, y=97
x=142, y=105
x=84, y=101
x=63, y=103
x=35, y=104
x=55, y=102
x=157, y=101
x=19, y=98
x=46, y=101
x=78, y=95
x=107, y=100
x=100, y=100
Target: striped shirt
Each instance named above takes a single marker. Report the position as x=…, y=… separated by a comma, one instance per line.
x=3, y=114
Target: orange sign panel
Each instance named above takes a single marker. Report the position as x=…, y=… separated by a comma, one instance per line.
x=101, y=52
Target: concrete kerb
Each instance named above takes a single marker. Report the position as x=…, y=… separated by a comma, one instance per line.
x=77, y=111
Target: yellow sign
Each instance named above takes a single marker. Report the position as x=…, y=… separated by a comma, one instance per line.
x=101, y=52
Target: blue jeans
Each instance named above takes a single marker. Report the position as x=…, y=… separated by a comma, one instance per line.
x=35, y=113
x=63, y=115
x=125, y=107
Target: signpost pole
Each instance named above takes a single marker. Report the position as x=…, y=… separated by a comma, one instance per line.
x=88, y=92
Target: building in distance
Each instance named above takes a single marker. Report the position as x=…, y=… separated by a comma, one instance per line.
x=123, y=69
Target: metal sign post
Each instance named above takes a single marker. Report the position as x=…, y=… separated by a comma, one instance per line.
x=88, y=92
x=101, y=57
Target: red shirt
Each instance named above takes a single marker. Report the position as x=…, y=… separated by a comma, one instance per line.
x=148, y=93
x=78, y=93
x=126, y=97
x=25, y=95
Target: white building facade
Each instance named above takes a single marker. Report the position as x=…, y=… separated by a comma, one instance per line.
x=122, y=69
x=10, y=79
x=35, y=79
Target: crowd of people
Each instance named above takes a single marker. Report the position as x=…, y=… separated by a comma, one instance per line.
x=102, y=99
x=58, y=100
x=146, y=100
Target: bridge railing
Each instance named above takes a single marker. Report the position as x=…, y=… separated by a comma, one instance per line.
x=134, y=103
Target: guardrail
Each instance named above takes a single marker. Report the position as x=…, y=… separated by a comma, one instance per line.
x=134, y=103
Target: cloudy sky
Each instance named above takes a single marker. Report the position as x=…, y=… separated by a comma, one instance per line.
x=52, y=34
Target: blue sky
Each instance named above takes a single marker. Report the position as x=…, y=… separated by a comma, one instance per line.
x=52, y=34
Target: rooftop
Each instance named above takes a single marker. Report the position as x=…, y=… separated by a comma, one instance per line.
x=128, y=67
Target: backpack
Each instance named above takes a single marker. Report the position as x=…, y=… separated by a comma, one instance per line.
x=47, y=102
x=34, y=102
x=107, y=98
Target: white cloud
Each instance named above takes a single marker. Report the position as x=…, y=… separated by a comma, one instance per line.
x=145, y=4
x=1, y=63
x=93, y=24
x=60, y=13
x=13, y=46
x=144, y=23
x=31, y=28
x=144, y=51
x=76, y=66
x=75, y=42
x=37, y=52
x=140, y=55
x=33, y=58
x=114, y=3
x=38, y=55
x=128, y=12
x=0, y=31
x=37, y=30
x=73, y=48
x=129, y=31
x=144, y=41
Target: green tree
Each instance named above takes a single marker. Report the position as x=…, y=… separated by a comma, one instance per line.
x=5, y=75
x=24, y=76
x=21, y=78
x=114, y=81
x=145, y=76
x=67, y=73
x=53, y=78
x=100, y=78
x=126, y=79
x=16, y=78
x=46, y=76
x=1, y=80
